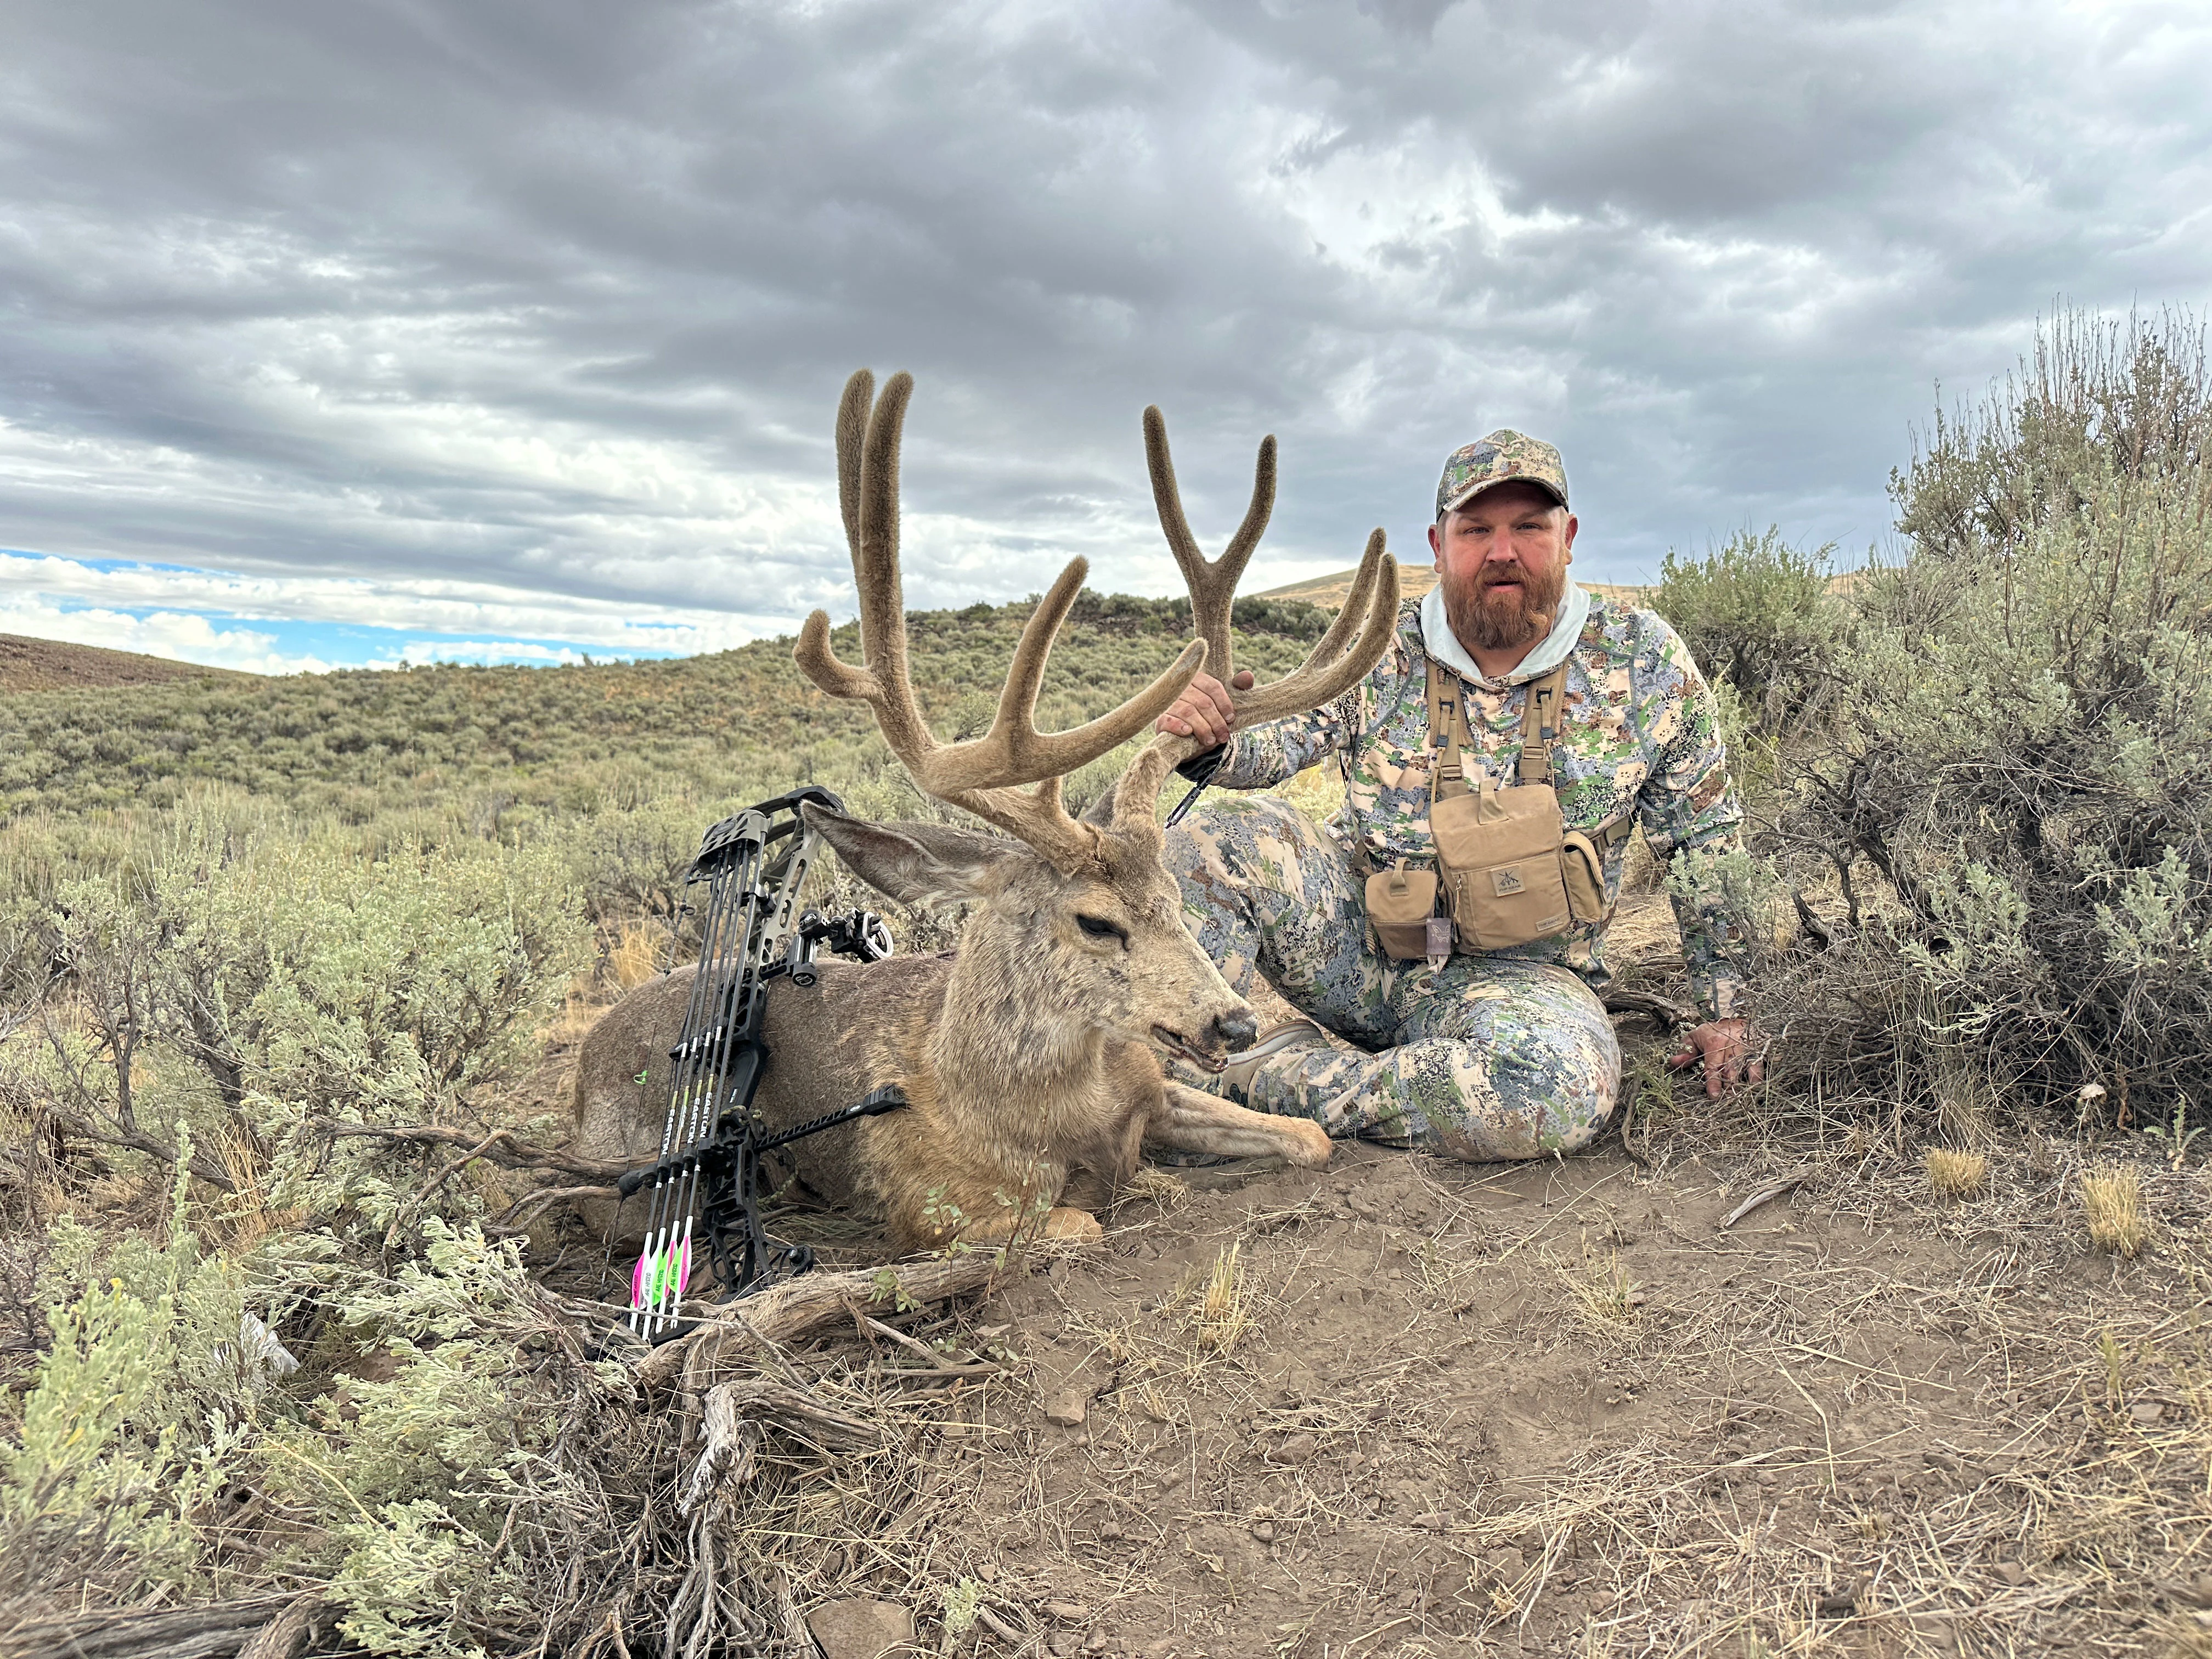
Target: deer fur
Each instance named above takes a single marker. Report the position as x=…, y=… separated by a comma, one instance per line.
x=1031, y=1058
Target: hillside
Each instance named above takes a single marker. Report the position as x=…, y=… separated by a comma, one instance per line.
x=566, y=738
x=1414, y=579
x=29, y=665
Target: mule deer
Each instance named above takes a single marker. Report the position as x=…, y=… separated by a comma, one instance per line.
x=1030, y=1058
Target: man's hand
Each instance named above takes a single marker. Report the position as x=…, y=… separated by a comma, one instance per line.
x=1204, y=711
x=1722, y=1045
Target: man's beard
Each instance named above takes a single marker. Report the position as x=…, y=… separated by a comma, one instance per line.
x=1486, y=617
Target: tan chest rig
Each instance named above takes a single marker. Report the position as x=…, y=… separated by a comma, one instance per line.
x=1509, y=870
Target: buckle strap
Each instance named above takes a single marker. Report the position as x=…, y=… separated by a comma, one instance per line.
x=1540, y=726
x=1542, y=710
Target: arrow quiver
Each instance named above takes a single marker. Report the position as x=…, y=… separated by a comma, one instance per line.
x=705, y=1185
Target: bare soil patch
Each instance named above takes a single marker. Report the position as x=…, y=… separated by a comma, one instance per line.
x=1408, y=1407
x=29, y=665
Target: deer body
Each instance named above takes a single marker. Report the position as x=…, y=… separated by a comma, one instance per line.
x=954, y=1161
x=1030, y=1058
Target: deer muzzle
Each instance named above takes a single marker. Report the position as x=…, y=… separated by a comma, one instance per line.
x=1224, y=1033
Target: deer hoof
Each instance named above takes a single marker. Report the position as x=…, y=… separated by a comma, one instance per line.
x=1075, y=1226
x=1310, y=1145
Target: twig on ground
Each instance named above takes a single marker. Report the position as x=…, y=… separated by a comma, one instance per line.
x=1668, y=1013
x=1766, y=1194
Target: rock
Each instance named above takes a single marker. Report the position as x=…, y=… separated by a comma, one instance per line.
x=858, y=1628
x=1068, y=1613
x=1508, y=1563
x=2011, y=1573
x=1068, y=1408
x=1436, y=1521
x=1062, y=1643
x=2147, y=1411
x=1298, y=1448
x=1264, y=1531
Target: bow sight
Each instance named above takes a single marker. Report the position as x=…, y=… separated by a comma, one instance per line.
x=706, y=1182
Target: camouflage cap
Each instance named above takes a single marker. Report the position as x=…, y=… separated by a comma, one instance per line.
x=1505, y=457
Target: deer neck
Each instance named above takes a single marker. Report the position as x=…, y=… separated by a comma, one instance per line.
x=1002, y=1032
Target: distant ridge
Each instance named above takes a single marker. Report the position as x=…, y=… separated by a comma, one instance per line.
x=1414, y=581
x=29, y=665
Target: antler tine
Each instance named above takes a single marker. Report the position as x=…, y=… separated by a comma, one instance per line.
x=1353, y=645
x=986, y=776
x=1014, y=751
x=1355, y=641
x=1213, y=583
x=1037, y=817
x=852, y=436
x=868, y=497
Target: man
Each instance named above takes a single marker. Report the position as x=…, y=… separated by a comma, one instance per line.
x=1478, y=1054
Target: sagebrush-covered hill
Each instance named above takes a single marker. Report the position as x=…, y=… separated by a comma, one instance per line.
x=573, y=738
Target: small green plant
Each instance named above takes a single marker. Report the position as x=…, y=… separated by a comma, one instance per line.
x=885, y=1287
x=2177, y=1132
x=961, y=1601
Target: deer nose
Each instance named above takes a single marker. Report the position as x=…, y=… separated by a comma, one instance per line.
x=1236, y=1030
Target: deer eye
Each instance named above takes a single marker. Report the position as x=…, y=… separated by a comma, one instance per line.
x=1099, y=927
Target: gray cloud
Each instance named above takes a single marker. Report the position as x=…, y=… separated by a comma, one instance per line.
x=558, y=297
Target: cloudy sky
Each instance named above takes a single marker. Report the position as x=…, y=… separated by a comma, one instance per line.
x=512, y=329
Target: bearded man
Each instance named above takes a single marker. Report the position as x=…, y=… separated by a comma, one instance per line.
x=1469, y=999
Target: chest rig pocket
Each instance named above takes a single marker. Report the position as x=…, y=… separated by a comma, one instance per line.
x=1509, y=872
x=1499, y=850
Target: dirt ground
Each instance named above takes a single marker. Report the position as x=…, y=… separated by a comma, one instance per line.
x=1404, y=1406
x=1412, y=1409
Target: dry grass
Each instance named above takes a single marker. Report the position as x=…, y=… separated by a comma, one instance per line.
x=2187, y=1636
x=2113, y=1207
x=634, y=956
x=1956, y=1174
x=1607, y=1297
x=1224, y=1313
x=626, y=960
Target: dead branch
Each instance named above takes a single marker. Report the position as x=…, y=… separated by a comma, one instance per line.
x=1668, y=1013
x=203, y=1167
x=503, y=1147
x=1766, y=1194
x=287, y=1635
x=762, y=1323
x=528, y=1205
x=216, y=1631
x=733, y=1431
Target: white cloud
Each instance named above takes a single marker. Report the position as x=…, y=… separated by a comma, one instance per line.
x=415, y=319
x=178, y=635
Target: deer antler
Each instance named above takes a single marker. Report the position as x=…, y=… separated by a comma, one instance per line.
x=1355, y=641
x=983, y=776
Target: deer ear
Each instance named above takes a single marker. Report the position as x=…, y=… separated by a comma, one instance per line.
x=913, y=863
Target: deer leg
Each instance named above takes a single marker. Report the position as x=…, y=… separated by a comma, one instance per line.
x=1196, y=1122
x=1080, y=1226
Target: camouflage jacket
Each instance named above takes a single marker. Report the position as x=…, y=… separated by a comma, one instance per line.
x=1642, y=735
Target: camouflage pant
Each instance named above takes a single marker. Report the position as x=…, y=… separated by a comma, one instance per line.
x=1487, y=1058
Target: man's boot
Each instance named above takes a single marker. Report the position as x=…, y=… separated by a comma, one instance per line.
x=1289, y=1038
